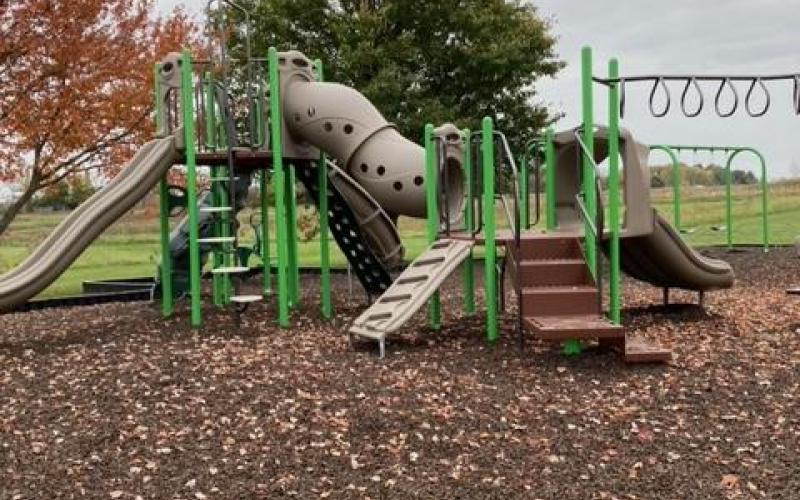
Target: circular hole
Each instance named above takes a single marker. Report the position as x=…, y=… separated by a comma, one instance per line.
x=300, y=63
x=381, y=170
x=311, y=112
x=418, y=180
x=167, y=67
x=353, y=253
x=328, y=126
x=345, y=240
x=330, y=213
x=383, y=286
x=348, y=129
x=361, y=265
x=338, y=226
x=397, y=186
x=352, y=233
x=360, y=246
x=364, y=167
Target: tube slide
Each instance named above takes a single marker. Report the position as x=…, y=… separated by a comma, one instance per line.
x=87, y=222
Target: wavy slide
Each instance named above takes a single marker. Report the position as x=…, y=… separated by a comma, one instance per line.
x=87, y=222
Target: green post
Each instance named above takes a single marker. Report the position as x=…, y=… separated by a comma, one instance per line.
x=217, y=287
x=292, y=242
x=525, y=194
x=490, y=245
x=265, y=257
x=167, y=305
x=326, y=306
x=279, y=185
x=588, y=173
x=431, y=204
x=613, y=193
x=191, y=187
x=550, y=179
x=764, y=189
x=728, y=206
x=676, y=182
x=469, y=226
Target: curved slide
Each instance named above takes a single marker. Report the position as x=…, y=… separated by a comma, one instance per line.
x=87, y=222
x=662, y=258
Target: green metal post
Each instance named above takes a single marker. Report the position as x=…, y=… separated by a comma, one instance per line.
x=588, y=173
x=490, y=245
x=167, y=305
x=525, y=221
x=191, y=187
x=676, y=182
x=764, y=189
x=265, y=253
x=326, y=306
x=613, y=193
x=550, y=179
x=279, y=186
x=292, y=242
x=469, y=226
x=217, y=287
x=728, y=207
x=431, y=204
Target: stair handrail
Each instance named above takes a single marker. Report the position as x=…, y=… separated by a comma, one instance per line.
x=530, y=155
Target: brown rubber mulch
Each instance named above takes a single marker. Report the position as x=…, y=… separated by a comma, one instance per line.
x=114, y=402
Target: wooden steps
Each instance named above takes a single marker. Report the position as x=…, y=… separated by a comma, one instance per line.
x=560, y=300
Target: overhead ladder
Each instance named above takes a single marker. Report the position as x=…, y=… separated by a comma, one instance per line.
x=411, y=290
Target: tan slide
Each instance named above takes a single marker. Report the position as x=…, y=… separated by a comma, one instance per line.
x=411, y=290
x=52, y=257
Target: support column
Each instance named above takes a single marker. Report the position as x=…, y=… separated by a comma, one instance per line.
x=490, y=245
x=167, y=305
x=326, y=306
x=613, y=194
x=468, y=269
x=431, y=186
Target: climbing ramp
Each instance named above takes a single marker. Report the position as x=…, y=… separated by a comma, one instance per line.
x=410, y=290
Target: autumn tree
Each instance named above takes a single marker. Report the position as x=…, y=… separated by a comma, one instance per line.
x=76, y=87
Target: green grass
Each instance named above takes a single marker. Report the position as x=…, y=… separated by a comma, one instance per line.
x=130, y=248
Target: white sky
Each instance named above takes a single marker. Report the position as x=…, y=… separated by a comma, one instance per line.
x=677, y=36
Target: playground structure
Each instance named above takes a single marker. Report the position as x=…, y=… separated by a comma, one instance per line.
x=278, y=122
x=729, y=154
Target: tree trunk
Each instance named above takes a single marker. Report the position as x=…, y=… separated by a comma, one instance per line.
x=12, y=211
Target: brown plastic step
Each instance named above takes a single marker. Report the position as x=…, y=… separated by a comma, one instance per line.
x=581, y=327
x=554, y=272
x=644, y=351
x=560, y=301
x=546, y=247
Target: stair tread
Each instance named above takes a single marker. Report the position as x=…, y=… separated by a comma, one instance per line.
x=639, y=350
x=217, y=239
x=578, y=321
x=230, y=270
x=215, y=209
x=552, y=262
x=582, y=288
x=246, y=299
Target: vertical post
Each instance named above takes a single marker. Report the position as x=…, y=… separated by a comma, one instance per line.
x=469, y=226
x=292, y=243
x=432, y=227
x=550, y=179
x=524, y=191
x=265, y=254
x=764, y=202
x=163, y=217
x=326, y=307
x=677, y=185
x=279, y=185
x=613, y=193
x=209, y=117
x=728, y=204
x=191, y=187
x=490, y=245
x=588, y=173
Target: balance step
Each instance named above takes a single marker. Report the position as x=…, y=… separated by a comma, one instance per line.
x=246, y=299
x=644, y=351
x=217, y=239
x=213, y=210
x=230, y=270
x=581, y=327
x=560, y=300
x=222, y=179
x=545, y=247
x=553, y=272
x=411, y=290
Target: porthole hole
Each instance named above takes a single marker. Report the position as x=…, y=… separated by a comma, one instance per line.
x=418, y=180
x=381, y=170
x=398, y=186
x=348, y=129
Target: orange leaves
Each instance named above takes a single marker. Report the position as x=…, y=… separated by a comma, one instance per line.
x=75, y=83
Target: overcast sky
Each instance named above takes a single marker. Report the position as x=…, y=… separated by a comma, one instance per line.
x=677, y=36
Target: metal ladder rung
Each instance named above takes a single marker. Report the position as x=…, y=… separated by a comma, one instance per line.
x=230, y=270
x=217, y=239
x=215, y=209
x=246, y=299
x=222, y=179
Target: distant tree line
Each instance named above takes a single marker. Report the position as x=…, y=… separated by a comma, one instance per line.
x=699, y=175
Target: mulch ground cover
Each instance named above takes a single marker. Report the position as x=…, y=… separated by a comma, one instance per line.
x=113, y=401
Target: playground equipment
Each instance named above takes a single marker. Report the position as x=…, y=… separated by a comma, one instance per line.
x=730, y=153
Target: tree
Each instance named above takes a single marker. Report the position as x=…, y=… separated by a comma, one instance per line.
x=418, y=62
x=75, y=87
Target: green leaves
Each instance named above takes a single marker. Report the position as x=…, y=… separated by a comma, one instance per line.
x=449, y=60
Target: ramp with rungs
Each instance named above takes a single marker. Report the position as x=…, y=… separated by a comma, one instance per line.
x=411, y=290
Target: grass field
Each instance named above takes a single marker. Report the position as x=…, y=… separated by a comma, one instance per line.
x=130, y=247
